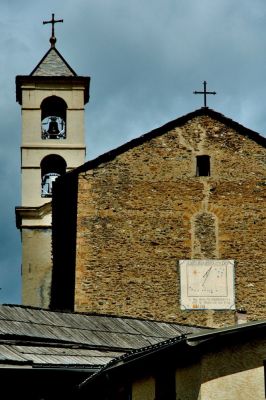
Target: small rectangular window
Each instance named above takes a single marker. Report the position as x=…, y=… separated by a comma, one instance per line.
x=203, y=166
x=122, y=392
x=165, y=385
x=264, y=378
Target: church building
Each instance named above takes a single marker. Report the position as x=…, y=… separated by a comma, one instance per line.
x=169, y=226
x=143, y=270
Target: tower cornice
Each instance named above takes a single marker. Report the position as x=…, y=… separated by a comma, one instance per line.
x=23, y=80
x=32, y=213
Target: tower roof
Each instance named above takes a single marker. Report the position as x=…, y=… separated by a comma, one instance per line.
x=53, y=68
x=53, y=64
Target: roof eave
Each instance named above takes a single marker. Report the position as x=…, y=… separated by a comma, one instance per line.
x=185, y=343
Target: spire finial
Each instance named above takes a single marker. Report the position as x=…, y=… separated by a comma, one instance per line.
x=53, y=22
x=205, y=92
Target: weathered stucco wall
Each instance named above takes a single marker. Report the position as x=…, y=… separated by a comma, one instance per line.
x=144, y=389
x=232, y=373
x=36, y=267
x=146, y=209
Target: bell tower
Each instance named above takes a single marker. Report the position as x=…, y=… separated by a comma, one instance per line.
x=52, y=100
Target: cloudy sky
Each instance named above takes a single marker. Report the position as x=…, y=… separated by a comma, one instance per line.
x=145, y=59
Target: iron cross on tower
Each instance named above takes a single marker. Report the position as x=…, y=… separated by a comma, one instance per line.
x=53, y=22
x=205, y=92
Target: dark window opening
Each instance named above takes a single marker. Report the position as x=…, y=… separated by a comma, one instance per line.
x=165, y=387
x=53, y=116
x=124, y=392
x=264, y=378
x=52, y=167
x=203, y=166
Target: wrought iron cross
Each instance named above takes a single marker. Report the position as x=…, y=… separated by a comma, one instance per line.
x=53, y=22
x=205, y=92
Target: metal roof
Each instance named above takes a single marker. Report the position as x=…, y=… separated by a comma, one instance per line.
x=37, y=337
x=181, y=342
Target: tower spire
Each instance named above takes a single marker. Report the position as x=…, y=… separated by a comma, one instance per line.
x=53, y=22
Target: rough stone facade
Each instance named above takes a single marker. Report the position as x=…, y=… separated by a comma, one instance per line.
x=144, y=209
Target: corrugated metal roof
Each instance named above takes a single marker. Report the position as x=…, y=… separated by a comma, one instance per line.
x=8, y=353
x=42, y=337
x=65, y=356
x=185, y=341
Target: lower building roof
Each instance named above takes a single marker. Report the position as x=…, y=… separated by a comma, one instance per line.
x=38, y=338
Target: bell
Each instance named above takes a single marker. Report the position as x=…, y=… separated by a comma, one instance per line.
x=53, y=127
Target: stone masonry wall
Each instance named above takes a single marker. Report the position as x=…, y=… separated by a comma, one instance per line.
x=146, y=209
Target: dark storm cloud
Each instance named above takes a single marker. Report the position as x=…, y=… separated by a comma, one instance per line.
x=145, y=59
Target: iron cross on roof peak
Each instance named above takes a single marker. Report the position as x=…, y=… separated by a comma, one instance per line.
x=205, y=92
x=53, y=22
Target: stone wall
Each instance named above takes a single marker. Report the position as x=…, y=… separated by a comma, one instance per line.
x=145, y=209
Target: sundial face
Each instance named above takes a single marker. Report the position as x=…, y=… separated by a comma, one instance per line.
x=207, y=284
x=207, y=280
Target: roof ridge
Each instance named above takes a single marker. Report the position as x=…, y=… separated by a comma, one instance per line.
x=204, y=111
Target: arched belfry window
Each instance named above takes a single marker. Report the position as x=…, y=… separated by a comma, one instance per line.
x=53, y=116
x=52, y=167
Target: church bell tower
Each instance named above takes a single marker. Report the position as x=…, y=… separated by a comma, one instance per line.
x=52, y=100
